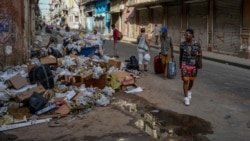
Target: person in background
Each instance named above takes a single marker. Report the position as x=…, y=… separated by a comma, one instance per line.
x=142, y=49
x=79, y=26
x=166, y=50
x=67, y=28
x=156, y=33
x=115, y=38
x=190, y=49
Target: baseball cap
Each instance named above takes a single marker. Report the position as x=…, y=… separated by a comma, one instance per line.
x=164, y=29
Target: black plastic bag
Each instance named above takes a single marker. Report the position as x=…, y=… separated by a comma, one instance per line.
x=133, y=63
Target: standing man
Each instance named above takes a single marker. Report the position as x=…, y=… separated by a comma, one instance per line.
x=166, y=50
x=156, y=33
x=189, y=51
x=115, y=38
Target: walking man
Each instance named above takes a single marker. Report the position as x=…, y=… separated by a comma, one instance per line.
x=166, y=50
x=156, y=33
x=189, y=51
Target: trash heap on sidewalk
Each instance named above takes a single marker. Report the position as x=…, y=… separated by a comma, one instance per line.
x=50, y=86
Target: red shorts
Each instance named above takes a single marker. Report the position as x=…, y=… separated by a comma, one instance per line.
x=188, y=72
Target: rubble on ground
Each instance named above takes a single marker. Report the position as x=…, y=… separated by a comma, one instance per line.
x=48, y=85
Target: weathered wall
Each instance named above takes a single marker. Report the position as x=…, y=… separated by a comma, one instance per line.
x=246, y=14
x=12, y=49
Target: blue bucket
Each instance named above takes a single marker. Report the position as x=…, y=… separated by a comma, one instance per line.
x=88, y=51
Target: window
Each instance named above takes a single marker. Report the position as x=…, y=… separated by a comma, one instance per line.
x=71, y=18
x=76, y=18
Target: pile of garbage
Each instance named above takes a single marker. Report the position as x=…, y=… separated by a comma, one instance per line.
x=50, y=85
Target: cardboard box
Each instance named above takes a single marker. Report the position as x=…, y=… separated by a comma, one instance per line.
x=76, y=80
x=86, y=76
x=99, y=83
x=115, y=63
x=25, y=95
x=124, y=77
x=49, y=60
x=16, y=81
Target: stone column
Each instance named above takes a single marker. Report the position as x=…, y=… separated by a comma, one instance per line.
x=245, y=31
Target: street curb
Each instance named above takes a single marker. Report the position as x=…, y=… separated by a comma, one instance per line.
x=227, y=62
x=204, y=57
x=215, y=60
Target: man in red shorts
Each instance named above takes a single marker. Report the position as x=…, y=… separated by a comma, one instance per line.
x=189, y=51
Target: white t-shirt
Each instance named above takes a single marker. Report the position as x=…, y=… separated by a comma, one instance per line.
x=156, y=30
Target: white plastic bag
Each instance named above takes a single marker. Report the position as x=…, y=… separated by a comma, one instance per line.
x=147, y=57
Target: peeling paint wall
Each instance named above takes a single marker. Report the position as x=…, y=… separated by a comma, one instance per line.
x=12, y=49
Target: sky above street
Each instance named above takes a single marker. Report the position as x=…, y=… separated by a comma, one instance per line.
x=44, y=6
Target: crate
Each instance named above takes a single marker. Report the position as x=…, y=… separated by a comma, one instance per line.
x=87, y=51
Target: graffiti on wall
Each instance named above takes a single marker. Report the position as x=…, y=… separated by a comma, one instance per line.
x=6, y=33
x=4, y=24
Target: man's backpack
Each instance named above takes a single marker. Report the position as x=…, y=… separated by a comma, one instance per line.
x=120, y=35
x=132, y=63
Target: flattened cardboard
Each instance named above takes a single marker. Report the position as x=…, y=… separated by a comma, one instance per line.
x=62, y=110
x=27, y=94
x=17, y=81
x=124, y=77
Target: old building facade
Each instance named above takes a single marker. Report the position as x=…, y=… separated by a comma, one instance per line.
x=17, y=30
x=220, y=26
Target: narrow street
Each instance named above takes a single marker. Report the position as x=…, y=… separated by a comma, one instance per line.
x=58, y=82
x=220, y=99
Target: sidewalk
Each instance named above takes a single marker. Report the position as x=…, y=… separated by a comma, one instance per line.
x=217, y=57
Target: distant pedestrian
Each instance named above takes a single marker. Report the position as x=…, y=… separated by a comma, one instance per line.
x=143, y=50
x=67, y=28
x=115, y=38
x=166, y=50
x=156, y=32
x=189, y=51
x=79, y=26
